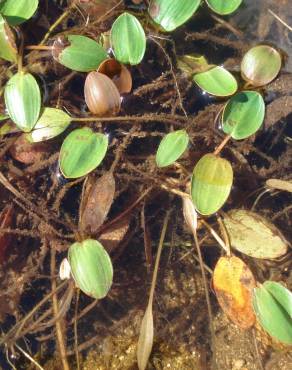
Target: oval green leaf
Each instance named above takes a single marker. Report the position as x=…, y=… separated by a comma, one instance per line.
x=243, y=115
x=281, y=294
x=211, y=183
x=18, y=11
x=254, y=235
x=172, y=14
x=216, y=81
x=91, y=268
x=8, y=49
x=82, y=53
x=272, y=315
x=260, y=65
x=81, y=152
x=128, y=39
x=23, y=100
x=223, y=7
x=171, y=147
x=51, y=123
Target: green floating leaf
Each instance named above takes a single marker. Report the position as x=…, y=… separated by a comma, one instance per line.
x=81, y=152
x=243, y=115
x=260, y=65
x=51, y=123
x=172, y=14
x=272, y=316
x=211, y=183
x=171, y=147
x=216, y=81
x=18, y=11
x=223, y=7
x=79, y=53
x=281, y=294
x=91, y=268
x=190, y=64
x=23, y=100
x=8, y=50
x=253, y=235
x=128, y=39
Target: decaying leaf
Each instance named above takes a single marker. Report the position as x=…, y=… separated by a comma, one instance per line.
x=252, y=234
x=145, y=341
x=6, y=218
x=97, y=199
x=113, y=236
x=28, y=153
x=233, y=283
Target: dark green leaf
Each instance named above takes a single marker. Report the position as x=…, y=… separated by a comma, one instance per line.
x=243, y=115
x=211, y=183
x=272, y=316
x=171, y=147
x=216, y=81
x=223, y=7
x=18, y=11
x=81, y=152
x=91, y=268
x=23, y=100
x=260, y=65
x=82, y=54
x=51, y=123
x=128, y=39
x=172, y=14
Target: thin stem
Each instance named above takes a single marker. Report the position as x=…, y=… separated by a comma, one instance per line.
x=280, y=20
x=76, y=330
x=215, y=236
x=222, y=145
x=58, y=323
x=198, y=249
x=225, y=235
x=38, y=47
x=29, y=357
x=157, y=259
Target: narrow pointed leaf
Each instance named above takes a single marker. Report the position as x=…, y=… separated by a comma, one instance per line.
x=233, y=283
x=91, y=268
x=281, y=294
x=145, y=342
x=52, y=122
x=81, y=152
x=171, y=147
x=224, y=7
x=23, y=100
x=243, y=115
x=128, y=39
x=260, y=65
x=216, y=81
x=8, y=50
x=18, y=11
x=172, y=14
x=211, y=183
x=272, y=316
x=254, y=235
x=80, y=53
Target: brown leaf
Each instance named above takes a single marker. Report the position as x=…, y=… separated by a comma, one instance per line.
x=28, y=153
x=6, y=219
x=233, y=283
x=97, y=199
x=113, y=236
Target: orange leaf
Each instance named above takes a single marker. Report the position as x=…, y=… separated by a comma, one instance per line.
x=233, y=283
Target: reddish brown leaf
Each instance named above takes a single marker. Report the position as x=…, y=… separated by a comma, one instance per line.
x=233, y=283
x=97, y=199
x=6, y=218
x=114, y=235
x=28, y=153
